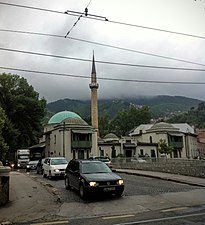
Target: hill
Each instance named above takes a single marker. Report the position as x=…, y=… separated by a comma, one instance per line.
x=160, y=106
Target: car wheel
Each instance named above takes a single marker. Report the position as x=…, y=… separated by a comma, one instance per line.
x=82, y=192
x=50, y=175
x=67, y=185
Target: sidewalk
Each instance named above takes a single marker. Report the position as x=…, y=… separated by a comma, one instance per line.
x=166, y=176
x=28, y=200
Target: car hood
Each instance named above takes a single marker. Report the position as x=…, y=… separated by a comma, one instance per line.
x=101, y=176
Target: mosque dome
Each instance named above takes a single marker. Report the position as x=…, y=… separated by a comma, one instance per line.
x=67, y=117
x=111, y=137
x=162, y=126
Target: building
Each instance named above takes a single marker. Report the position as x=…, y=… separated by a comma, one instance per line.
x=181, y=137
x=68, y=135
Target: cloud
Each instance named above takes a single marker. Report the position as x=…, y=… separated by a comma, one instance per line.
x=181, y=16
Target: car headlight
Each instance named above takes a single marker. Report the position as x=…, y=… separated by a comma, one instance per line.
x=93, y=184
x=120, y=182
x=27, y=166
x=56, y=170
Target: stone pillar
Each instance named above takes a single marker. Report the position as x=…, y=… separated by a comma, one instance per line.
x=4, y=184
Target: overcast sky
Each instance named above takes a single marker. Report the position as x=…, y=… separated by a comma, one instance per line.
x=181, y=16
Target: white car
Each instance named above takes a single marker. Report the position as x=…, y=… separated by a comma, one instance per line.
x=139, y=160
x=54, y=167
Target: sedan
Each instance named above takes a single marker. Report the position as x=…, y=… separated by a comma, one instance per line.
x=54, y=167
x=92, y=178
x=31, y=165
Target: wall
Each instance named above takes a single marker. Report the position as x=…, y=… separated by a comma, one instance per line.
x=195, y=168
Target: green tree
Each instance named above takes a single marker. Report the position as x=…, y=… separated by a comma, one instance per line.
x=164, y=148
x=104, y=125
x=24, y=111
x=3, y=145
x=127, y=119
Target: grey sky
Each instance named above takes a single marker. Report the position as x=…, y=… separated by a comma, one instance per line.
x=183, y=16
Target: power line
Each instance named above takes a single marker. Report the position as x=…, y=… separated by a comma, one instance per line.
x=103, y=62
x=102, y=18
x=102, y=44
x=101, y=78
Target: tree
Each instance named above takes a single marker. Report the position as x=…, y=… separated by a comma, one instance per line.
x=127, y=119
x=3, y=145
x=164, y=148
x=24, y=111
x=104, y=125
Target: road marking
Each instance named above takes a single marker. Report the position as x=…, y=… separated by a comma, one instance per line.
x=161, y=219
x=116, y=217
x=48, y=223
x=174, y=209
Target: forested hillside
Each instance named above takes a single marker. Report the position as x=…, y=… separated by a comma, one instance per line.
x=160, y=106
x=194, y=117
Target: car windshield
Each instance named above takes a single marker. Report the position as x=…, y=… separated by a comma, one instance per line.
x=58, y=161
x=95, y=167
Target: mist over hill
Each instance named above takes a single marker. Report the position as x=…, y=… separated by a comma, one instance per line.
x=160, y=106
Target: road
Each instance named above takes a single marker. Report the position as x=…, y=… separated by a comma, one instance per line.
x=145, y=201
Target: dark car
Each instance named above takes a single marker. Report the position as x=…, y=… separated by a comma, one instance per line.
x=92, y=178
x=32, y=165
x=39, y=169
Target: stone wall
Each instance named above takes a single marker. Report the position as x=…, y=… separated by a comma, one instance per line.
x=195, y=168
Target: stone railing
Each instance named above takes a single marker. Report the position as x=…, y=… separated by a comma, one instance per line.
x=4, y=184
x=195, y=168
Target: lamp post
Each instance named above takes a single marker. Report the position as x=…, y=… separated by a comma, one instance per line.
x=63, y=139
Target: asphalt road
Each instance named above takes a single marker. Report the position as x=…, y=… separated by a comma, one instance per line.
x=145, y=201
x=134, y=185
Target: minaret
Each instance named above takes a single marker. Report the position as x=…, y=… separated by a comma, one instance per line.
x=94, y=98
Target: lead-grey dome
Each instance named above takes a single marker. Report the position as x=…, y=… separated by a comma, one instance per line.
x=162, y=126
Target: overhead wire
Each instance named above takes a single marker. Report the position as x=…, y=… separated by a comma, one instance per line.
x=102, y=44
x=102, y=18
x=86, y=13
x=103, y=78
x=102, y=62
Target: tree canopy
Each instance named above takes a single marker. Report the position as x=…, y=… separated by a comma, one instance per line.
x=164, y=148
x=23, y=109
x=127, y=119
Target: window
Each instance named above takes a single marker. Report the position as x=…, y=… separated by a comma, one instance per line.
x=141, y=152
x=150, y=139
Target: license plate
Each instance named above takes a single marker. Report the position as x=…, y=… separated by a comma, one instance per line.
x=109, y=189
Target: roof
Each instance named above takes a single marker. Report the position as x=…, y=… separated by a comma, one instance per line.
x=64, y=115
x=111, y=136
x=184, y=127
x=162, y=126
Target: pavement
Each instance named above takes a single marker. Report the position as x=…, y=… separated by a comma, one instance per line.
x=197, y=181
x=36, y=197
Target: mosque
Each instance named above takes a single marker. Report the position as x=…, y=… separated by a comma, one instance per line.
x=68, y=135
